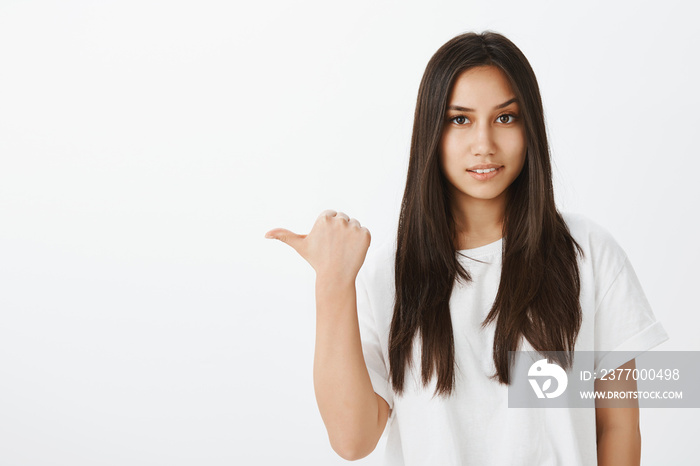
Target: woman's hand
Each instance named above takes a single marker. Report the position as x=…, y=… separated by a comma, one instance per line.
x=336, y=247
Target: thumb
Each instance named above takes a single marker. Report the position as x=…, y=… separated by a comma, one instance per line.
x=286, y=236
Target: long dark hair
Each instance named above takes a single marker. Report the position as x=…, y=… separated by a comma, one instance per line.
x=538, y=295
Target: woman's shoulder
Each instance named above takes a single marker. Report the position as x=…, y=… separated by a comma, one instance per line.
x=378, y=267
x=583, y=224
x=598, y=243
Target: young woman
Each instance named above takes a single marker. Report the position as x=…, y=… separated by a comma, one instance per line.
x=483, y=264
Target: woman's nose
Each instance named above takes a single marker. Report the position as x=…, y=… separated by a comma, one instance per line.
x=482, y=144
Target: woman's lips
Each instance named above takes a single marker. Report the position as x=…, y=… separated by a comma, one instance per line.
x=485, y=176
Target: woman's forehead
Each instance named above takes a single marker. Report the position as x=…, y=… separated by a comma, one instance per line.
x=481, y=88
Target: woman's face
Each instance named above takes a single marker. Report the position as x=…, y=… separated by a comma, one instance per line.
x=482, y=128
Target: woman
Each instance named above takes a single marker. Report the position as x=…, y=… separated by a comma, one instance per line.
x=484, y=264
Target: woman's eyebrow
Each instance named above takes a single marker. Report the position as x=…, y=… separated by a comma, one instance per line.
x=465, y=109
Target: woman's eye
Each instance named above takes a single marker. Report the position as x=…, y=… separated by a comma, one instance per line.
x=506, y=118
x=506, y=115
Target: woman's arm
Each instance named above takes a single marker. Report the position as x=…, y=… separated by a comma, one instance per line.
x=617, y=428
x=351, y=411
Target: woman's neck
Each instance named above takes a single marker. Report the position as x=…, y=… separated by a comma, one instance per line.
x=479, y=221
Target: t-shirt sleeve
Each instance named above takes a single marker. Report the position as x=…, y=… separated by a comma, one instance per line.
x=624, y=320
x=372, y=344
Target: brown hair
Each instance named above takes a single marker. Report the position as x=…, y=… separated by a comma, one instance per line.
x=538, y=295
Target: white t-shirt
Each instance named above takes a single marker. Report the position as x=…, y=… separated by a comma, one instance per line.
x=475, y=426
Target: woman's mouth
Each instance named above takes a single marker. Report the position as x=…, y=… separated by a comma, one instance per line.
x=486, y=174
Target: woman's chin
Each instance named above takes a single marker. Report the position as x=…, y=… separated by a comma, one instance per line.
x=485, y=195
